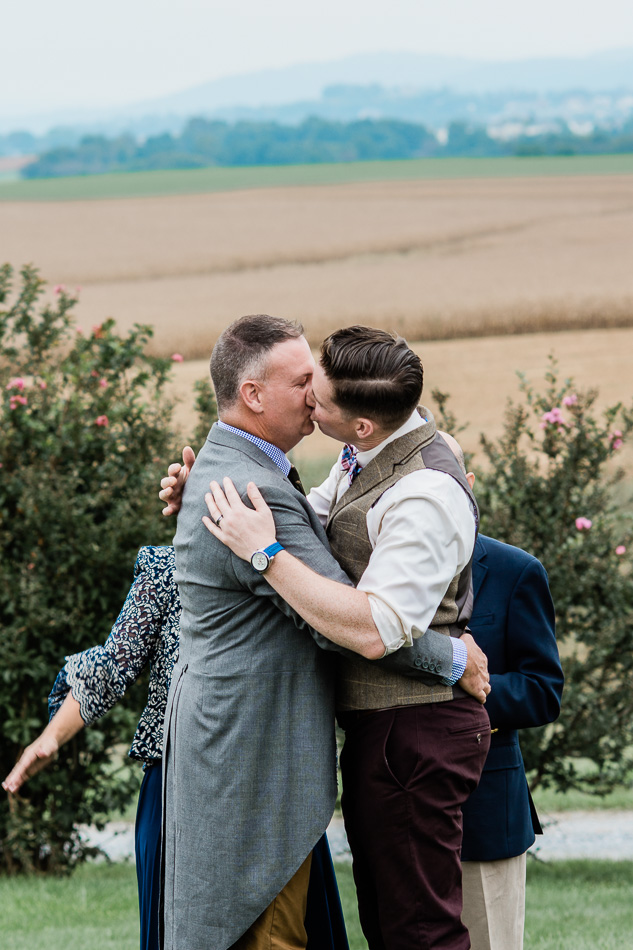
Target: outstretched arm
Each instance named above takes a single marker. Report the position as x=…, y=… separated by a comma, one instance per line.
x=40, y=753
x=91, y=682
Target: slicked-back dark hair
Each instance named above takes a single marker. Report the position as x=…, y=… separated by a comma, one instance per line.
x=373, y=373
x=241, y=352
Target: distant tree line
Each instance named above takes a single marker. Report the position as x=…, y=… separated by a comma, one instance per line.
x=211, y=142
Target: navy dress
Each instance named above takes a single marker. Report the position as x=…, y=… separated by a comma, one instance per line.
x=146, y=631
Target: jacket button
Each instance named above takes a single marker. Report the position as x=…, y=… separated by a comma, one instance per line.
x=417, y=661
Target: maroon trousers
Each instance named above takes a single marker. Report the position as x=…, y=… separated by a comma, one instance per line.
x=406, y=772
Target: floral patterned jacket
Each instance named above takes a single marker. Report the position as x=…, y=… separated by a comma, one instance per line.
x=146, y=631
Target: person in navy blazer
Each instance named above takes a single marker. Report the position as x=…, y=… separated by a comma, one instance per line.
x=513, y=623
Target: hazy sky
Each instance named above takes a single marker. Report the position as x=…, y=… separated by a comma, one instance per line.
x=72, y=53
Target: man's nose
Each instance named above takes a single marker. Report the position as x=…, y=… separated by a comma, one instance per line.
x=310, y=401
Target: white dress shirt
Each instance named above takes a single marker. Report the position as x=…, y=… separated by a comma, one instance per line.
x=422, y=531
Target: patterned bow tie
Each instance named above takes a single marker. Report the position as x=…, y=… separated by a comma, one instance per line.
x=349, y=463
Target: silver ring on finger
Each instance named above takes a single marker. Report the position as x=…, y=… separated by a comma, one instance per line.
x=218, y=520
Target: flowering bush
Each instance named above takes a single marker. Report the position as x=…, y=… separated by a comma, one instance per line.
x=549, y=485
x=84, y=439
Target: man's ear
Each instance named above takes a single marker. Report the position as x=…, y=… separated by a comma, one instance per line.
x=364, y=428
x=470, y=478
x=250, y=391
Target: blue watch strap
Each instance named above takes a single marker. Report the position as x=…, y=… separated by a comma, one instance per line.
x=273, y=549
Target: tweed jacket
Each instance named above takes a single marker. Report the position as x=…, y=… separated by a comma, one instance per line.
x=360, y=686
x=250, y=763
x=513, y=623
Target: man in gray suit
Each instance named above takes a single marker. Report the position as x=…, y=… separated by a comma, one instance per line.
x=249, y=746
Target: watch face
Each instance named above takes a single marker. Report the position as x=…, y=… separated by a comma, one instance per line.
x=260, y=561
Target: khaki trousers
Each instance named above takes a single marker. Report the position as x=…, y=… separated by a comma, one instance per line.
x=494, y=903
x=282, y=925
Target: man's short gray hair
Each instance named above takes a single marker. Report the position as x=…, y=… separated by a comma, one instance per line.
x=455, y=448
x=241, y=352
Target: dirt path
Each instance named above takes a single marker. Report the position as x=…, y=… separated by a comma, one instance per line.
x=578, y=834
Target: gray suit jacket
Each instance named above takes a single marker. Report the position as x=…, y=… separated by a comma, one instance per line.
x=250, y=773
x=250, y=763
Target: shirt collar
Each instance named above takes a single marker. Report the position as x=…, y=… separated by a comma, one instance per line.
x=414, y=421
x=273, y=453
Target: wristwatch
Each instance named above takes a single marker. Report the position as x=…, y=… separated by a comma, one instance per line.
x=260, y=560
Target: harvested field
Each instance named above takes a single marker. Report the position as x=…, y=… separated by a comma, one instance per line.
x=434, y=259
x=480, y=376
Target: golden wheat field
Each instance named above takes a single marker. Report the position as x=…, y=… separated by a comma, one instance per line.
x=481, y=375
x=489, y=275
x=432, y=259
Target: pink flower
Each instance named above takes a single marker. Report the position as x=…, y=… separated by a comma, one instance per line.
x=617, y=444
x=94, y=373
x=103, y=383
x=43, y=384
x=102, y=421
x=553, y=417
x=17, y=401
x=583, y=524
x=80, y=331
x=177, y=358
x=1, y=465
x=16, y=383
x=59, y=288
x=570, y=400
x=30, y=566
x=616, y=434
x=97, y=331
x=620, y=550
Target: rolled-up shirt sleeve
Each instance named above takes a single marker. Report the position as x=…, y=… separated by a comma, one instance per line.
x=422, y=531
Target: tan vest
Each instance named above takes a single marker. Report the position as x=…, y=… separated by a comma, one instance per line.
x=365, y=685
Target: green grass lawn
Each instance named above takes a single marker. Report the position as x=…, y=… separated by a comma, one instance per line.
x=200, y=180
x=579, y=905
x=548, y=800
x=621, y=798
x=95, y=909
x=571, y=905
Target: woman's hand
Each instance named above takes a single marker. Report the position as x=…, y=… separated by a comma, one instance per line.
x=34, y=758
x=242, y=529
x=65, y=724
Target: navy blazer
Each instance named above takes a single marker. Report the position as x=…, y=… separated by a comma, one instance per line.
x=513, y=623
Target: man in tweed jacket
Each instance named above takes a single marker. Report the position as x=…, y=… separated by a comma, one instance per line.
x=249, y=746
x=401, y=519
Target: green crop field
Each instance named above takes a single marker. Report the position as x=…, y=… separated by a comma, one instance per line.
x=204, y=180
